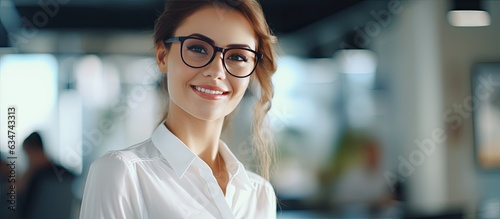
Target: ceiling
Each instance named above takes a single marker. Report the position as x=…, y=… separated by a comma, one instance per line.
x=284, y=16
x=296, y=22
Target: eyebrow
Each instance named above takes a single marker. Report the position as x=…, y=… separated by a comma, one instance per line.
x=208, y=39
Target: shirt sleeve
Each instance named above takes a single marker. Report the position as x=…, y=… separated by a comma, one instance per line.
x=111, y=190
x=271, y=199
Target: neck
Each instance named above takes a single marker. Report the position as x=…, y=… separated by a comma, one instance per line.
x=200, y=136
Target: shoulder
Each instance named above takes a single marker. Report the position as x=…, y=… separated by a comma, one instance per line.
x=119, y=162
x=128, y=156
x=263, y=187
x=258, y=180
x=114, y=173
x=112, y=189
x=112, y=166
x=265, y=195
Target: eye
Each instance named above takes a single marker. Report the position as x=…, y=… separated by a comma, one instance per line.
x=237, y=57
x=197, y=49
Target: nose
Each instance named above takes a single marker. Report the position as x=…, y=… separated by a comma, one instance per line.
x=216, y=68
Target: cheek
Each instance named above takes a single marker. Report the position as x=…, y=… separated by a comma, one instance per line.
x=240, y=86
x=177, y=77
x=178, y=72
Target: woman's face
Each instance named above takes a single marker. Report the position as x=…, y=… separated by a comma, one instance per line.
x=190, y=89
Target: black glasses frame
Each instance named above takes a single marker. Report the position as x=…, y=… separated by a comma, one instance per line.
x=181, y=39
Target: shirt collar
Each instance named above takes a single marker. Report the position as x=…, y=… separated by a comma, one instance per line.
x=234, y=166
x=173, y=149
x=180, y=157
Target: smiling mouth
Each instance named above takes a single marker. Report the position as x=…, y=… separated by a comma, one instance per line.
x=208, y=91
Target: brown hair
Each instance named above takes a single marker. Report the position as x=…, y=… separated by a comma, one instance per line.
x=177, y=11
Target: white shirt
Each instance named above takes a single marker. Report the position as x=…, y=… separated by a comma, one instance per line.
x=162, y=178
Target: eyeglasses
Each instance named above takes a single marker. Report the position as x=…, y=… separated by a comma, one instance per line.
x=198, y=53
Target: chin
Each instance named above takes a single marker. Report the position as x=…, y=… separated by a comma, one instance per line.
x=208, y=116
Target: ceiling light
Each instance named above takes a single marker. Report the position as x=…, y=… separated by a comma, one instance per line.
x=468, y=13
x=468, y=18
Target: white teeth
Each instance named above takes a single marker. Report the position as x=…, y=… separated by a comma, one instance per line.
x=208, y=91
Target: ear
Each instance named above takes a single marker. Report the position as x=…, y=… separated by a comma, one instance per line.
x=161, y=57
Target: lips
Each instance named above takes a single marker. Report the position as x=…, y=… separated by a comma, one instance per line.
x=210, y=92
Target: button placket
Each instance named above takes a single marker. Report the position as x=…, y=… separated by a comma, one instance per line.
x=215, y=191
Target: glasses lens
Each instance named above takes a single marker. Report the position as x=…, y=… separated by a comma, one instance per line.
x=240, y=62
x=196, y=53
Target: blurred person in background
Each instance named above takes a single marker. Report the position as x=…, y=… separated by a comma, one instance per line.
x=209, y=51
x=45, y=187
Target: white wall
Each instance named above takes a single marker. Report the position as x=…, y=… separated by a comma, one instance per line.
x=428, y=63
x=461, y=49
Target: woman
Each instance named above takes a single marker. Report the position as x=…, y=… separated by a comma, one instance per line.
x=210, y=52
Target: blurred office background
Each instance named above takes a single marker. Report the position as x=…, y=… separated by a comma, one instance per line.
x=382, y=109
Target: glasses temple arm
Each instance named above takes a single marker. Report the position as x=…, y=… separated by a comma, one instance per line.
x=173, y=39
